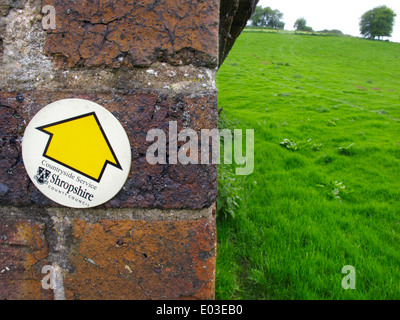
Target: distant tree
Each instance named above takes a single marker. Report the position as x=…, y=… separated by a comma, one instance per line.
x=300, y=24
x=267, y=17
x=258, y=19
x=377, y=22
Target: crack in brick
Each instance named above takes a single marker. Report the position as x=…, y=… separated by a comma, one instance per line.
x=143, y=34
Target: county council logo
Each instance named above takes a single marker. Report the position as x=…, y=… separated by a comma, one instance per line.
x=42, y=176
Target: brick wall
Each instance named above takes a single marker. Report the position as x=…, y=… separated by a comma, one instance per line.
x=148, y=63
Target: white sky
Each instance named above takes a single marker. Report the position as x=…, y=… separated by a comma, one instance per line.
x=333, y=14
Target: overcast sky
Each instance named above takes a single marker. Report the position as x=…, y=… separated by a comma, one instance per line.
x=333, y=14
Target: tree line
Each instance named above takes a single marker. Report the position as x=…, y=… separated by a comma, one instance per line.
x=375, y=23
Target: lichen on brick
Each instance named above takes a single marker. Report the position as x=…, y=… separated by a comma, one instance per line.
x=23, y=39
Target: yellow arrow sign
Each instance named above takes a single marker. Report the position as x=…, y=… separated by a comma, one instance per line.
x=80, y=144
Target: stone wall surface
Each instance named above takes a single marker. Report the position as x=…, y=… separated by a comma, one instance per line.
x=148, y=63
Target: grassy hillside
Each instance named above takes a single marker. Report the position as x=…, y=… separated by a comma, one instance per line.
x=333, y=197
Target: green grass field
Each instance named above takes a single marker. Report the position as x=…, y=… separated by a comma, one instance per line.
x=337, y=101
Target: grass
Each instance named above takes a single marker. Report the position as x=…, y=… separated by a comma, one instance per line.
x=332, y=201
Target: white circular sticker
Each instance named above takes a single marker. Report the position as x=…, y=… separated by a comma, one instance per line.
x=76, y=153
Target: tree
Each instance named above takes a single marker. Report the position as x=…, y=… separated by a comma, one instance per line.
x=377, y=22
x=267, y=17
x=301, y=25
x=258, y=19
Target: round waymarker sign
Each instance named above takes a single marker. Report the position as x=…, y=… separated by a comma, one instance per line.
x=76, y=153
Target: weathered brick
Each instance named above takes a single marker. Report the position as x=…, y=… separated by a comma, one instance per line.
x=111, y=33
x=148, y=186
x=23, y=252
x=142, y=260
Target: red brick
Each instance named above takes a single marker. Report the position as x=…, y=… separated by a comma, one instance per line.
x=97, y=33
x=142, y=260
x=23, y=252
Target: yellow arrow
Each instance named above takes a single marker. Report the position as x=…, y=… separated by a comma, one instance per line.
x=80, y=144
